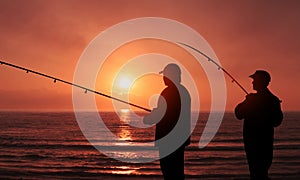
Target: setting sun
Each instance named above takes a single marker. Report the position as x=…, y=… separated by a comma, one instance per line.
x=125, y=83
x=81, y=82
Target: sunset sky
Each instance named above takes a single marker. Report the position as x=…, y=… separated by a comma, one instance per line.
x=50, y=36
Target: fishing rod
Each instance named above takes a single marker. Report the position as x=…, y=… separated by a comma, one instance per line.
x=72, y=84
x=218, y=65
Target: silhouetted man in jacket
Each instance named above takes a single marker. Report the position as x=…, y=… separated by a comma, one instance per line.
x=261, y=112
x=172, y=119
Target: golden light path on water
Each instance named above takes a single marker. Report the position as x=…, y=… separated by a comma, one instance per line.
x=124, y=170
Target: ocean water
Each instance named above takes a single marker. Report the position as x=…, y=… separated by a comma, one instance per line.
x=50, y=145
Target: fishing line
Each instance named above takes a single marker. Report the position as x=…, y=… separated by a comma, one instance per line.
x=233, y=80
x=72, y=84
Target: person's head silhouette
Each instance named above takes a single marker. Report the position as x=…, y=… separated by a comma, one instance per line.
x=261, y=80
x=172, y=74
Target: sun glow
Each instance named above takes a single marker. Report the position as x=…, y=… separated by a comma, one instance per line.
x=125, y=83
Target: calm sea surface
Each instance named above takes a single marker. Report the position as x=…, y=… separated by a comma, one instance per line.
x=35, y=145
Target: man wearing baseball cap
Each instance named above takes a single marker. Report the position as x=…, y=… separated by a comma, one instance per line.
x=261, y=112
x=172, y=119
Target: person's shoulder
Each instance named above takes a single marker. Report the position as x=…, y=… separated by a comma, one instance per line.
x=266, y=96
x=164, y=91
x=274, y=97
x=168, y=91
x=183, y=89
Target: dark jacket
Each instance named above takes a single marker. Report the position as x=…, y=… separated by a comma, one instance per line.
x=261, y=113
x=172, y=116
x=263, y=108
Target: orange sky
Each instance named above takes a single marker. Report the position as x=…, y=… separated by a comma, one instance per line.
x=49, y=36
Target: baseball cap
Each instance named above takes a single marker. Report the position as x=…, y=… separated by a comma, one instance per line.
x=261, y=75
x=171, y=69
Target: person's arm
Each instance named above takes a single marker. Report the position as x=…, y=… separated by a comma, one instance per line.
x=239, y=111
x=242, y=108
x=277, y=114
x=157, y=113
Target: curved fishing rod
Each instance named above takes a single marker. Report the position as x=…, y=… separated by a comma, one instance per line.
x=218, y=65
x=72, y=84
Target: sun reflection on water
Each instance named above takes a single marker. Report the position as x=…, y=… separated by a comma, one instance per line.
x=124, y=135
x=124, y=170
x=127, y=147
